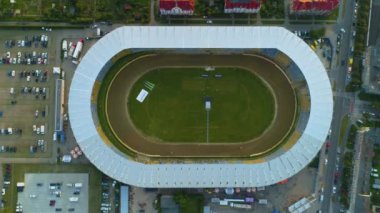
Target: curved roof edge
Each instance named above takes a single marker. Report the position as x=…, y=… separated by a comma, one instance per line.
x=199, y=175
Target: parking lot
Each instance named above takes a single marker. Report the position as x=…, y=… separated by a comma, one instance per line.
x=26, y=93
x=49, y=192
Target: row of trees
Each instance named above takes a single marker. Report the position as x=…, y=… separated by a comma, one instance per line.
x=272, y=9
x=360, y=45
x=346, y=176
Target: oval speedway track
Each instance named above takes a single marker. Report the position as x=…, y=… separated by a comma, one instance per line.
x=119, y=121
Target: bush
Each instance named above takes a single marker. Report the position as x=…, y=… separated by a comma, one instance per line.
x=346, y=179
x=319, y=33
x=351, y=137
x=315, y=162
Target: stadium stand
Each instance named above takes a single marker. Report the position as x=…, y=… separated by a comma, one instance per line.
x=269, y=52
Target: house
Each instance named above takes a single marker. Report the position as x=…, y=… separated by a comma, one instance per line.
x=177, y=7
x=241, y=6
x=168, y=205
x=312, y=7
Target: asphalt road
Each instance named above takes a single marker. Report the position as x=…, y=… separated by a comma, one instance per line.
x=341, y=107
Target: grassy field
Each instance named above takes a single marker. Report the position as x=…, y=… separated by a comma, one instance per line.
x=174, y=111
x=79, y=11
x=19, y=170
x=375, y=198
x=343, y=128
x=194, y=204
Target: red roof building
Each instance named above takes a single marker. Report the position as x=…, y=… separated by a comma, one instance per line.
x=241, y=6
x=313, y=7
x=177, y=7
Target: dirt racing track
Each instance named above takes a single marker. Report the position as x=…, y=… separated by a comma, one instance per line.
x=130, y=137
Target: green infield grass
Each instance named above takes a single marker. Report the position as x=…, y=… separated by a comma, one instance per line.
x=242, y=105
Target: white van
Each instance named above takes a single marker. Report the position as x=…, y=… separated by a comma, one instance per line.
x=42, y=129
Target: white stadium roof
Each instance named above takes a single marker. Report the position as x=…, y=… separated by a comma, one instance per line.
x=198, y=175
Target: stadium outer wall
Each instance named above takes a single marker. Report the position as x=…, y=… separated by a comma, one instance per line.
x=216, y=174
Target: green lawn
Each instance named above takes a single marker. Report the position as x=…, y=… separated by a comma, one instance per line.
x=78, y=11
x=242, y=106
x=194, y=204
x=375, y=198
x=19, y=170
x=343, y=128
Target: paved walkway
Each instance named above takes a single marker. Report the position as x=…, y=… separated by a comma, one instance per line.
x=355, y=176
x=152, y=20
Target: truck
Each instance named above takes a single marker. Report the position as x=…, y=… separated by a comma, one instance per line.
x=73, y=199
x=78, y=48
x=78, y=185
x=64, y=45
x=71, y=50
x=98, y=32
x=42, y=129
x=240, y=206
x=263, y=201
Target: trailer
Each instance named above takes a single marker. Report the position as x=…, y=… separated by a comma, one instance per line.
x=240, y=206
x=78, y=48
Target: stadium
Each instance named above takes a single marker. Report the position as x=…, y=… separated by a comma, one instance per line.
x=199, y=107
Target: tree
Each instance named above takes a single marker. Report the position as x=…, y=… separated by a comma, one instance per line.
x=316, y=34
x=181, y=198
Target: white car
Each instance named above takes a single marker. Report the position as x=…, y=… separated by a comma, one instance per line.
x=334, y=189
x=326, y=161
x=374, y=170
x=374, y=175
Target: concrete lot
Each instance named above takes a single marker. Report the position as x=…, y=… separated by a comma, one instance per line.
x=43, y=194
x=142, y=200
x=279, y=196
